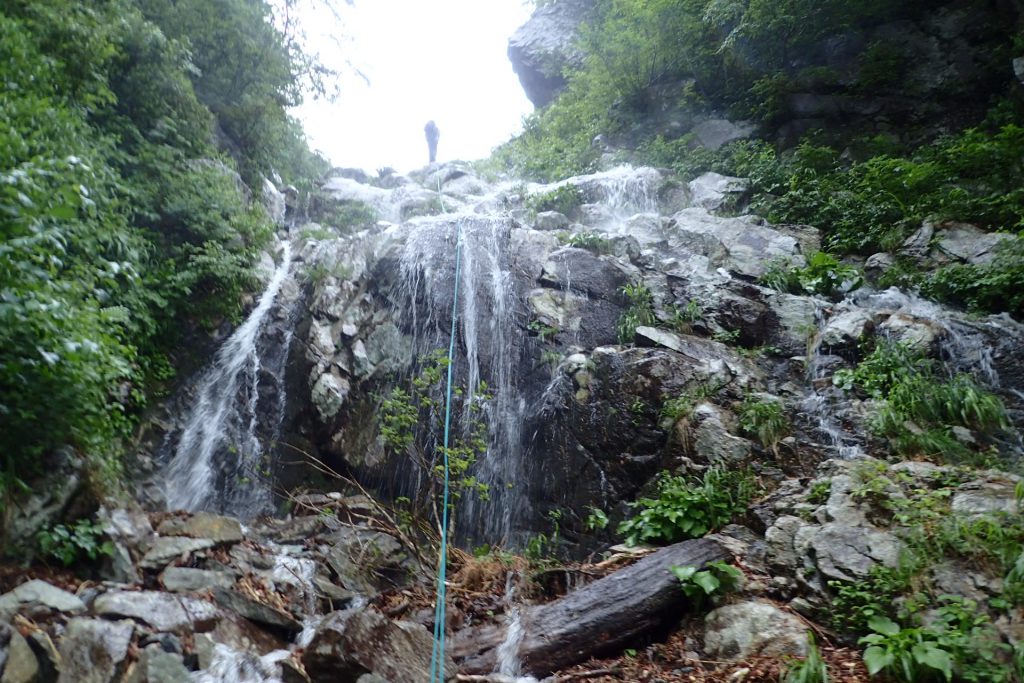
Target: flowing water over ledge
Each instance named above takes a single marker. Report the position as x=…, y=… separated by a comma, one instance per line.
x=221, y=459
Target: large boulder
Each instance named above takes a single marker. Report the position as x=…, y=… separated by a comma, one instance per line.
x=352, y=643
x=717, y=192
x=739, y=245
x=94, y=650
x=543, y=47
x=162, y=611
x=753, y=628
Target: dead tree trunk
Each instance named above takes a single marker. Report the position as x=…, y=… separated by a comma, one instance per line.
x=596, y=619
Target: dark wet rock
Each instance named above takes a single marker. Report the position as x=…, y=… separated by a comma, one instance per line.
x=161, y=611
x=94, y=650
x=36, y=594
x=352, y=643
x=366, y=561
x=256, y=611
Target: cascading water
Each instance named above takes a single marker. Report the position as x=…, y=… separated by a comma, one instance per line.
x=489, y=344
x=220, y=459
x=817, y=405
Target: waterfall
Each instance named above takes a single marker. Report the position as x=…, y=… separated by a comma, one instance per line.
x=220, y=461
x=489, y=345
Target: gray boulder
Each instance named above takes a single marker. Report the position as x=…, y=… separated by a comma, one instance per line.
x=157, y=666
x=550, y=220
x=162, y=611
x=166, y=549
x=544, y=46
x=847, y=329
x=352, y=643
x=273, y=202
x=22, y=665
x=717, y=192
x=737, y=244
x=969, y=244
x=714, y=133
x=189, y=580
x=94, y=650
x=753, y=628
x=39, y=594
x=204, y=525
x=985, y=496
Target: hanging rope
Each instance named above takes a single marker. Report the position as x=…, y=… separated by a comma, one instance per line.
x=437, y=654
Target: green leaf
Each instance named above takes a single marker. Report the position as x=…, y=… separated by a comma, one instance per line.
x=876, y=659
x=708, y=581
x=934, y=657
x=883, y=625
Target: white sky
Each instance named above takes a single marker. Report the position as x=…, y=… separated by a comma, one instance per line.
x=425, y=59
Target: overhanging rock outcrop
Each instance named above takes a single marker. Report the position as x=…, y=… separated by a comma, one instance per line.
x=543, y=47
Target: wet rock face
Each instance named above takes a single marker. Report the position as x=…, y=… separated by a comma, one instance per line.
x=352, y=643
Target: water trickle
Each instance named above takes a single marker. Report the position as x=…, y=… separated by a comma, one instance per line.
x=220, y=461
x=234, y=666
x=508, y=664
x=817, y=406
x=489, y=343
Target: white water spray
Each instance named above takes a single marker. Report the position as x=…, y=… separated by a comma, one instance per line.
x=219, y=457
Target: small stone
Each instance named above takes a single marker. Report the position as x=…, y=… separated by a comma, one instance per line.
x=167, y=549
x=188, y=580
x=22, y=665
x=551, y=220
x=157, y=666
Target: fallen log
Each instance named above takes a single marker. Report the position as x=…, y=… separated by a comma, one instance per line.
x=597, y=619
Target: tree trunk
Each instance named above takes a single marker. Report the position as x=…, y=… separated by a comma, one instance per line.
x=599, y=618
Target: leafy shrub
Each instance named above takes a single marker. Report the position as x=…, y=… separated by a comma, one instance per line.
x=640, y=311
x=591, y=241
x=765, y=419
x=688, y=509
x=907, y=654
x=920, y=408
x=562, y=199
x=700, y=585
x=997, y=286
x=823, y=275
x=810, y=669
x=74, y=543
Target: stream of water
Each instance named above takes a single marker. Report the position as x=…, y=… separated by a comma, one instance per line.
x=220, y=461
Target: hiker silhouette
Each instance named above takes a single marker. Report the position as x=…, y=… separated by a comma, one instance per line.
x=432, y=136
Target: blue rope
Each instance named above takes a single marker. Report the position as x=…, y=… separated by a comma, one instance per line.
x=437, y=654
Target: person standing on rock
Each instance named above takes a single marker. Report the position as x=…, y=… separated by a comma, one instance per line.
x=433, y=134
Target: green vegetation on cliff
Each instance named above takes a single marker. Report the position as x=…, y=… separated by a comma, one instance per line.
x=859, y=146
x=122, y=222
